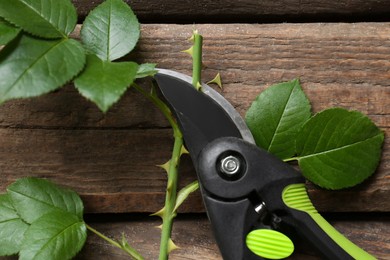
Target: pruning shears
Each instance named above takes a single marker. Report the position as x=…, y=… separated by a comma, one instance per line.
x=257, y=204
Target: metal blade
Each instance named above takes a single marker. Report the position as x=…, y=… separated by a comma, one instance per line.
x=203, y=116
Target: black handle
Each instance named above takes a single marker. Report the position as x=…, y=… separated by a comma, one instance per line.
x=315, y=230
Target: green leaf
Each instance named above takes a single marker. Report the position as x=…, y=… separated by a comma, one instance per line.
x=104, y=82
x=146, y=70
x=7, y=32
x=184, y=193
x=32, y=198
x=276, y=116
x=12, y=228
x=56, y=235
x=338, y=148
x=33, y=67
x=43, y=18
x=111, y=30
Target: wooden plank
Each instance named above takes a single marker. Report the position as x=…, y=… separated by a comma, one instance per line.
x=202, y=11
x=338, y=64
x=65, y=138
x=115, y=170
x=192, y=233
x=193, y=236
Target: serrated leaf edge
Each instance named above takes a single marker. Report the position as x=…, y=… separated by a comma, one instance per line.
x=62, y=35
x=107, y=58
x=54, y=237
x=61, y=84
x=55, y=208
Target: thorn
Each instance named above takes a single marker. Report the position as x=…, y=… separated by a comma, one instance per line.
x=183, y=150
x=190, y=51
x=159, y=227
x=198, y=86
x=194, y=32
x=159, y=213
x=123, y=241
x=217, y=80
x=169, y=187
x=171, y=246
x=165, y=166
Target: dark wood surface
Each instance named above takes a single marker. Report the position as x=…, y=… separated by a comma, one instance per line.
x=203, y=11
x=192, y=233
x=110, y=159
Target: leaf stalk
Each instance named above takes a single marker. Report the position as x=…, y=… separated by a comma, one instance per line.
x=129, y=250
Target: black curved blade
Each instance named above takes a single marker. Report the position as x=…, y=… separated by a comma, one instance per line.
x=200, y=118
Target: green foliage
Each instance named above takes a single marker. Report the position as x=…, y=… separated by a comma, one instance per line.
x=12, y=227
x=40, y=220
x=34, y=198
x=184, y=193
x=35, y=64
x=56, y=235
x=7, y=32
x=111, y=30
x=32, y=67
x=276, y=116
x=145, y=70
x=338, y=148
x=335, y=149
x=43, y=18
x=104, y=82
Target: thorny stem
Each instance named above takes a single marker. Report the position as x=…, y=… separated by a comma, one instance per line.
x=129, y=250
x=170, y=199
x=159, y=104
x=197, y=59
x=168, y=213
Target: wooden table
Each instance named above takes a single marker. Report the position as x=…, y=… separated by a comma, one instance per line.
x=110, y=159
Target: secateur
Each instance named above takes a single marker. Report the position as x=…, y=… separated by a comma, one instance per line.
x=257, y=204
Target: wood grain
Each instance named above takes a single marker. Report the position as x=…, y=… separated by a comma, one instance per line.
x=110, y=159
x=202, y=11
x=193, y=235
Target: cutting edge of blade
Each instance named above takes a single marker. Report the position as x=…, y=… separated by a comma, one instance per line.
x=220, y=100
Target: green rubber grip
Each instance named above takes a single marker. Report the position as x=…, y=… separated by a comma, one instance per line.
x=269, y=244
x=295, y=196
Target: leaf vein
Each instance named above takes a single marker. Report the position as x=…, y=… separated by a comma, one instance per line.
x=27, y=70
x=337, y=149
x=10, y=219
x=39, y=13
x=57, y=235
x=33, y=198
x=280, y=119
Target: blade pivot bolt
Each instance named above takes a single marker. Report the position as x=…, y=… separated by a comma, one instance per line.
x=230, y=165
